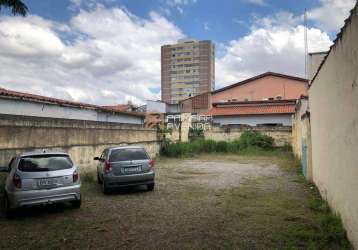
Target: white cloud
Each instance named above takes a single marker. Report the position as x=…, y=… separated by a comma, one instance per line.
x=180, y=9
x=206, y=27
x=31, y=38
x=271, y=45
x=176, y=5
x=276, y=43
x=257, y=2
x=181, y=2
x=238, y=21
x=76, y=2
x=109, y=56
x=282, y=19
x=330, y=15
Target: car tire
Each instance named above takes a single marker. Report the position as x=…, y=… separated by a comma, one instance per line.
x=99, y=181
x=105, y=189
x=9, y=212
x=76, y=203
x=150, y=187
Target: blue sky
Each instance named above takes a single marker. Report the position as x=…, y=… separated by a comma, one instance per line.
x=108, y=51
x=201, y=19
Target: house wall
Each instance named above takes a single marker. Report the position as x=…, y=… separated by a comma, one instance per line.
x=82, y=139
x=28, y=108
x=297, y=126
x=156, y=107
x=334, y=121
x=266, y=87
x=254, y=120
x=301, y=135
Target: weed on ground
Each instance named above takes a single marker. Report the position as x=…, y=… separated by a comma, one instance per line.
x=268, y=205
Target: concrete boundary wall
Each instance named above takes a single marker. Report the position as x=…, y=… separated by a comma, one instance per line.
x=82, y=139
x=281, y=135
x=333, y=101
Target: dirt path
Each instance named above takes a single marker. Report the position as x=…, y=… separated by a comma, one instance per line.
x=212, y=202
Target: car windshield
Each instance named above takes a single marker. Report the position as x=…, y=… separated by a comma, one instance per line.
x=128, y=154
x=39, y=163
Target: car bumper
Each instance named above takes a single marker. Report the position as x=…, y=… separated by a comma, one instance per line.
x=129, y=180
x=45, y=196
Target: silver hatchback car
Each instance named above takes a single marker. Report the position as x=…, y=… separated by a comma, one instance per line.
x=41, y=178
x=125, y=166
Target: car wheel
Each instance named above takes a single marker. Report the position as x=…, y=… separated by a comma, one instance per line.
x=150, y=187
x=76, y=203
x=105, y=189
x=99, y=181
x=9, y=212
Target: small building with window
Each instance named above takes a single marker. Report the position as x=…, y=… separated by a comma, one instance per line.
x=268, y=86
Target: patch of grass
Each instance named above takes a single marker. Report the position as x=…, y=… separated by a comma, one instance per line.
x=248, y=142
x=256, y=139
x=88, y=176
x=266, y=212
x=330, y=226
x=285, y=222
x=222, y=146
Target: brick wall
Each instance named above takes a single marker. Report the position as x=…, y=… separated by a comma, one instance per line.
x=196, y=104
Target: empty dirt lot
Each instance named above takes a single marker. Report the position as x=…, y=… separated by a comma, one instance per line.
x=208, y=202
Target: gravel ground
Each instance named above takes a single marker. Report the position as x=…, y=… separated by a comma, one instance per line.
x=211, y=202
x=221, y=175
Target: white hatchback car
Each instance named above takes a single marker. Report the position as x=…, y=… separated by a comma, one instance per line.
x=41, y=178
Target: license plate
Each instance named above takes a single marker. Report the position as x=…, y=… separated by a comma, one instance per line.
x=48, y=182
x=132, y=170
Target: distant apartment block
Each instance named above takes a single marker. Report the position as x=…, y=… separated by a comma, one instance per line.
x=188, y=69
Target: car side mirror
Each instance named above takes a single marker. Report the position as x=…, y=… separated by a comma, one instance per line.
x=4, y=169
x=96, y=158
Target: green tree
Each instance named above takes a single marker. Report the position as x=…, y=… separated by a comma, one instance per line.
x=17, y=7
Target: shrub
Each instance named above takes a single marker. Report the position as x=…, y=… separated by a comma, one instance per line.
x=249, y=142
x=234, y=146
x=208, y=146
x=88, y=176
x=221, y=146
x=196, y=133
x=196, y=146
x=255, y=139
x=287, y=147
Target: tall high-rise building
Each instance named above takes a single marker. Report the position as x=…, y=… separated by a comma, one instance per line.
x=188, y=69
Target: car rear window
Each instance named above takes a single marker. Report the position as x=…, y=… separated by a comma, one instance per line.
x=39, y=163
x=128, y=154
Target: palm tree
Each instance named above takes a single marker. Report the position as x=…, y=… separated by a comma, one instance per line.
x=17, y=6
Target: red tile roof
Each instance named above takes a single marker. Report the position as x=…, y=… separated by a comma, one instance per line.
x=254, y=108
x=10, y=94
